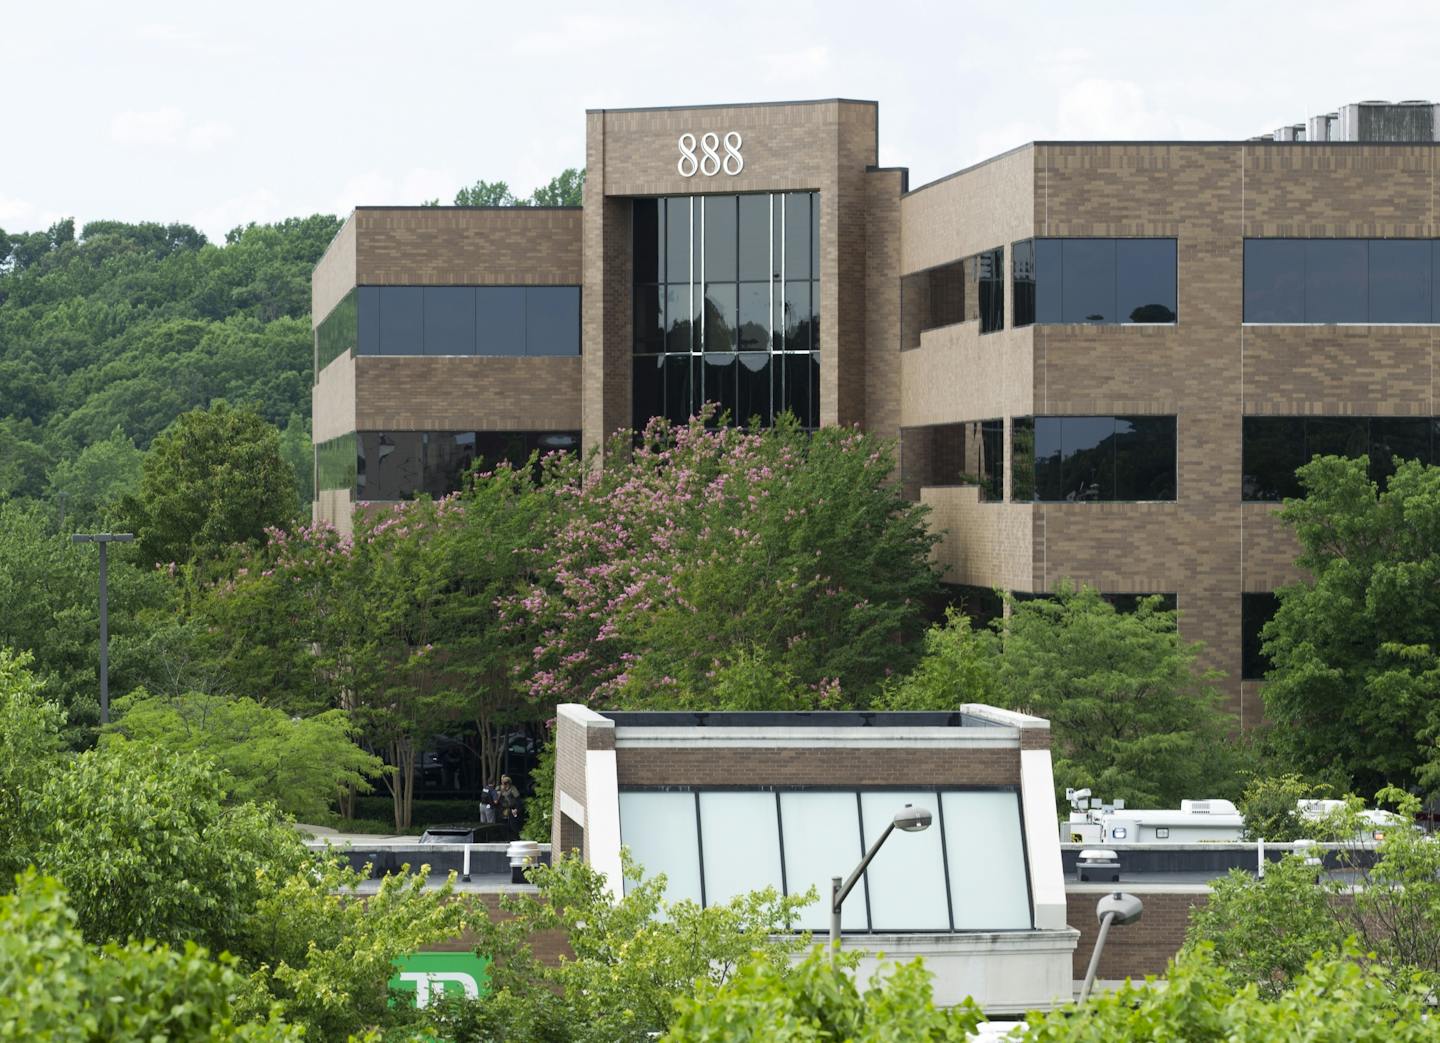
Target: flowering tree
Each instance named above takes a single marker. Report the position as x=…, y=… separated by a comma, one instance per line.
x=725, y=567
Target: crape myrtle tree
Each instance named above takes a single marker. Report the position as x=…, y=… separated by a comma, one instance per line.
x=1354, y=686
x=711, y=564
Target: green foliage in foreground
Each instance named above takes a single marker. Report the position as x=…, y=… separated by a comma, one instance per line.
x=29, y=747
x=57, y=988
x=1264, y=930
x=1356, y=661
x=816, y=1001
x=633, y=957
x=1337, y=999
x=297, y=763
x=1270, y=805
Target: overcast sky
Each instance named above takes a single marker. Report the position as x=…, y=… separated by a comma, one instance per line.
x=219, y=114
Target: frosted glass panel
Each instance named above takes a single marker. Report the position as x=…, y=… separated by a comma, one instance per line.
x=659, y=829
x=822, y=839
x=907, y=878
x=988, y=888
x=741, y=843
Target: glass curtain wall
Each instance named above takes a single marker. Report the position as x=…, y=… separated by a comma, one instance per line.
x=715, y=844
x=1274, y=447
x=727, y=307
x=1379, y=281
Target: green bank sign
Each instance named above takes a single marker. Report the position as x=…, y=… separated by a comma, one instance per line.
x=433, y=976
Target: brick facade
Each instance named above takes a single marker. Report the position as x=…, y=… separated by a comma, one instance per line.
x=824, y=766
x=1209, y=370
x=1140, y=948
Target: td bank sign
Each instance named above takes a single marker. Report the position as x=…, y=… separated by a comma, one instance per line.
x=432, y=976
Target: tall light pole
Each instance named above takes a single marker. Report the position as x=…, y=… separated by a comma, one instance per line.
x=911, y=820
x=103, y=539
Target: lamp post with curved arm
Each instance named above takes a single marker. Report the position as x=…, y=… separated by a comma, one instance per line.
x=910, y=819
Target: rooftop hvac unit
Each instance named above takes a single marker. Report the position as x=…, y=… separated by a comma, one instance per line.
x=1208, y=807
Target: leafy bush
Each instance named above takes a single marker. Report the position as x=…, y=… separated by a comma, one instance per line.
x=29, y=745
x=818, y=1000
x=56, y=987
x=297, y=763
x=1270, y=805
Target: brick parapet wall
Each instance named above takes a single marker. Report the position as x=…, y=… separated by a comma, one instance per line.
x=719, y=766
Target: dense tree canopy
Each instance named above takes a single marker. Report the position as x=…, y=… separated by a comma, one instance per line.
x=126, y=326
x=1355, y=686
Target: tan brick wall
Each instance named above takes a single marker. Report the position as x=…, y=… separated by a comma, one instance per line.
x=438, y=246
x=332, y=400
x=336, y=507
x=448, y=393
x=1339, y=370
x=569, y=741
x=981, y=207
x=651, y=766
x=988, y=544
x=334, y=276
x=882, y=299
x=1138, y=949
x=959, y=374
x=1270, y=549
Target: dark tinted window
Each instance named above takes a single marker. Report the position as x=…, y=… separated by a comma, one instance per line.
x=449, y=320
x=1336, y=280
x=754, y=388
x=754, y=317
x=797, y=235
x=368, y=335
x=399, y=465
x=1274, y=280
x=1022, y=261
x=648, y=389
x=500, y=320
x=335, y=462
x=677, y=239
x=720, y=332
x=336, y=333
x=1096, y=458
x=754, y=238
x=1087, y=288
x=1049, y=280
x=1400, y=280
x=720, y=378
x=1275, y=447
x=649, y=320
x=402, y=320
x=1255, y=611
x=1023, y=458
x=990, y=284
x=552, y=320
x=720, y=238
x=1145, y=280
x=1341, y=281
x=649, y=256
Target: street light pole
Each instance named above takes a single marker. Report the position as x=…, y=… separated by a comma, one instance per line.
x=911, y=820
x=104, y=539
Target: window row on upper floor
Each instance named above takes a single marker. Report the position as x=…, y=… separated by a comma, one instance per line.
x=1068, y=459
x=451, y=320
x=1380, y=281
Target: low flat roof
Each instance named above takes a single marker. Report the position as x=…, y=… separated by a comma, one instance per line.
x=795, y=719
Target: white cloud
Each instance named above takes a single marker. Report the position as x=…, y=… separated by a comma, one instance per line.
x=20, y=215
x=167, y=127
x=153, y=127
x=259, y=205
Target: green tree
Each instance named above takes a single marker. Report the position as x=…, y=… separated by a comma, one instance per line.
x=85, y=485
x=1271, y=806
x=634, y=956
x=49, y=607
x=1335, y=1000
x=29, y=747
x=299, y=453
x=215, y=478
x=1352, y=689
x=960, y=664
x=300, y=764
x=564, y=189
x=1264, y=930
x=54, y=986
x=706, y=545
x=486, y=193
x=1131, y=714
x=818, y=1000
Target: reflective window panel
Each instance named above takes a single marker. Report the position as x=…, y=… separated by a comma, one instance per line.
x=734, y=869
x=1342, y=281
x=906, y=880
x=1274, y=447
x=1255, y=611
x=822, y=840
x=1094, y=458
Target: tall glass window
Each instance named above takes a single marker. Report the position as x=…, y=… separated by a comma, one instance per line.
x=726, y=307
x=1274, y=447
x=1094, y=281
x=1255, y=611
x=1073, y=459
x=1382, y=281
x=337, y=333
x=971, y=289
